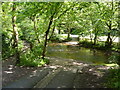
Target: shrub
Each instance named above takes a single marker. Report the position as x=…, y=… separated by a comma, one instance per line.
x=66, y=40
x=55, y=38
x=115, y=58
x=60, y=38
x=33, y=57
x=86, y=43
x=113, y=79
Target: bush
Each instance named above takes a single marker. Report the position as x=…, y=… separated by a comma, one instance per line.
x=37, y=50
x=115, y=58
x=98, y=45
x=56, y=38
x=7, y=52
x=116, y=47
x=66, y=40
x=30, y=59
x=60, y=38
x=86, y=43
x=33, y=57
x=7, y=49
x=113, y=79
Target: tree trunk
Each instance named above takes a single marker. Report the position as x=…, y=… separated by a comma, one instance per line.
x=91, y=37
x=52, y=32
x=95, y=39
x=109, y=40
x=59, y=31
x=46, y=36
x=68, y=33
x=15, y=34
x=37, y=36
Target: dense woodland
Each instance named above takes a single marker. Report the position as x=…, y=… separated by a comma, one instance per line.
x=40, y=23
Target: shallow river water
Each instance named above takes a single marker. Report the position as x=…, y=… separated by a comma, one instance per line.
x=79, y=53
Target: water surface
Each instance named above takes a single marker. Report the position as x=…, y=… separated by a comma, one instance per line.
x=78, y=53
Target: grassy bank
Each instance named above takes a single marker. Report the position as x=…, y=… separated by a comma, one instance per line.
x=99, y=45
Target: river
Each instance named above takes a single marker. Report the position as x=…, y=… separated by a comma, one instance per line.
x=66, y=51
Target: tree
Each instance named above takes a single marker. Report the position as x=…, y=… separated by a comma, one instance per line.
x=52, y=12
x=15, y=33
x=110, y=18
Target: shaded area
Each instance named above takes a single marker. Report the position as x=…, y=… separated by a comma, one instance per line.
x=74, y=74
x=64, y=79
x=10, y=72
x=28, y=81
x=91, y=77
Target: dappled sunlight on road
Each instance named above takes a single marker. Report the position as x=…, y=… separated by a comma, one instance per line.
x=103, y=68
x=8, y=72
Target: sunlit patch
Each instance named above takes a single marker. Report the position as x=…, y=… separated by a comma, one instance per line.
x=54, y=67
x=15, y=67
x=85, y=65
x=33, y=73
x=91, y=69
x=62, y=86
x=21, y=66
x=65, y=69
x=8, y=72
x=28, y=68
x=10, y=67
x=104, y=68
x=58, y=66
x=80, y=71
x=75, y=63
x=92, y=86
x=65, y=43
x=111, y=65
x=98, y=73
x=72, y=43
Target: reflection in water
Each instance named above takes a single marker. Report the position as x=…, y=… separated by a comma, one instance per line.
x=78, y=53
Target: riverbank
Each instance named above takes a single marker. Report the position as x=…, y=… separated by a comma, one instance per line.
x=99, y=46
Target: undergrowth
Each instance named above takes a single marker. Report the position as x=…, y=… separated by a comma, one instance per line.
x=99, y=45
x=113, y=79
x=30, y=59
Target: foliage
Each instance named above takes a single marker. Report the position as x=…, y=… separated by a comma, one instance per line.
x=116, y=47
x=113, y=78
x=89, y=44
x=60, y=38
x=30, y=59
x=68, y=39
x=55, y=38
x=115, y=58
x=36, y=21
x=86, y=43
